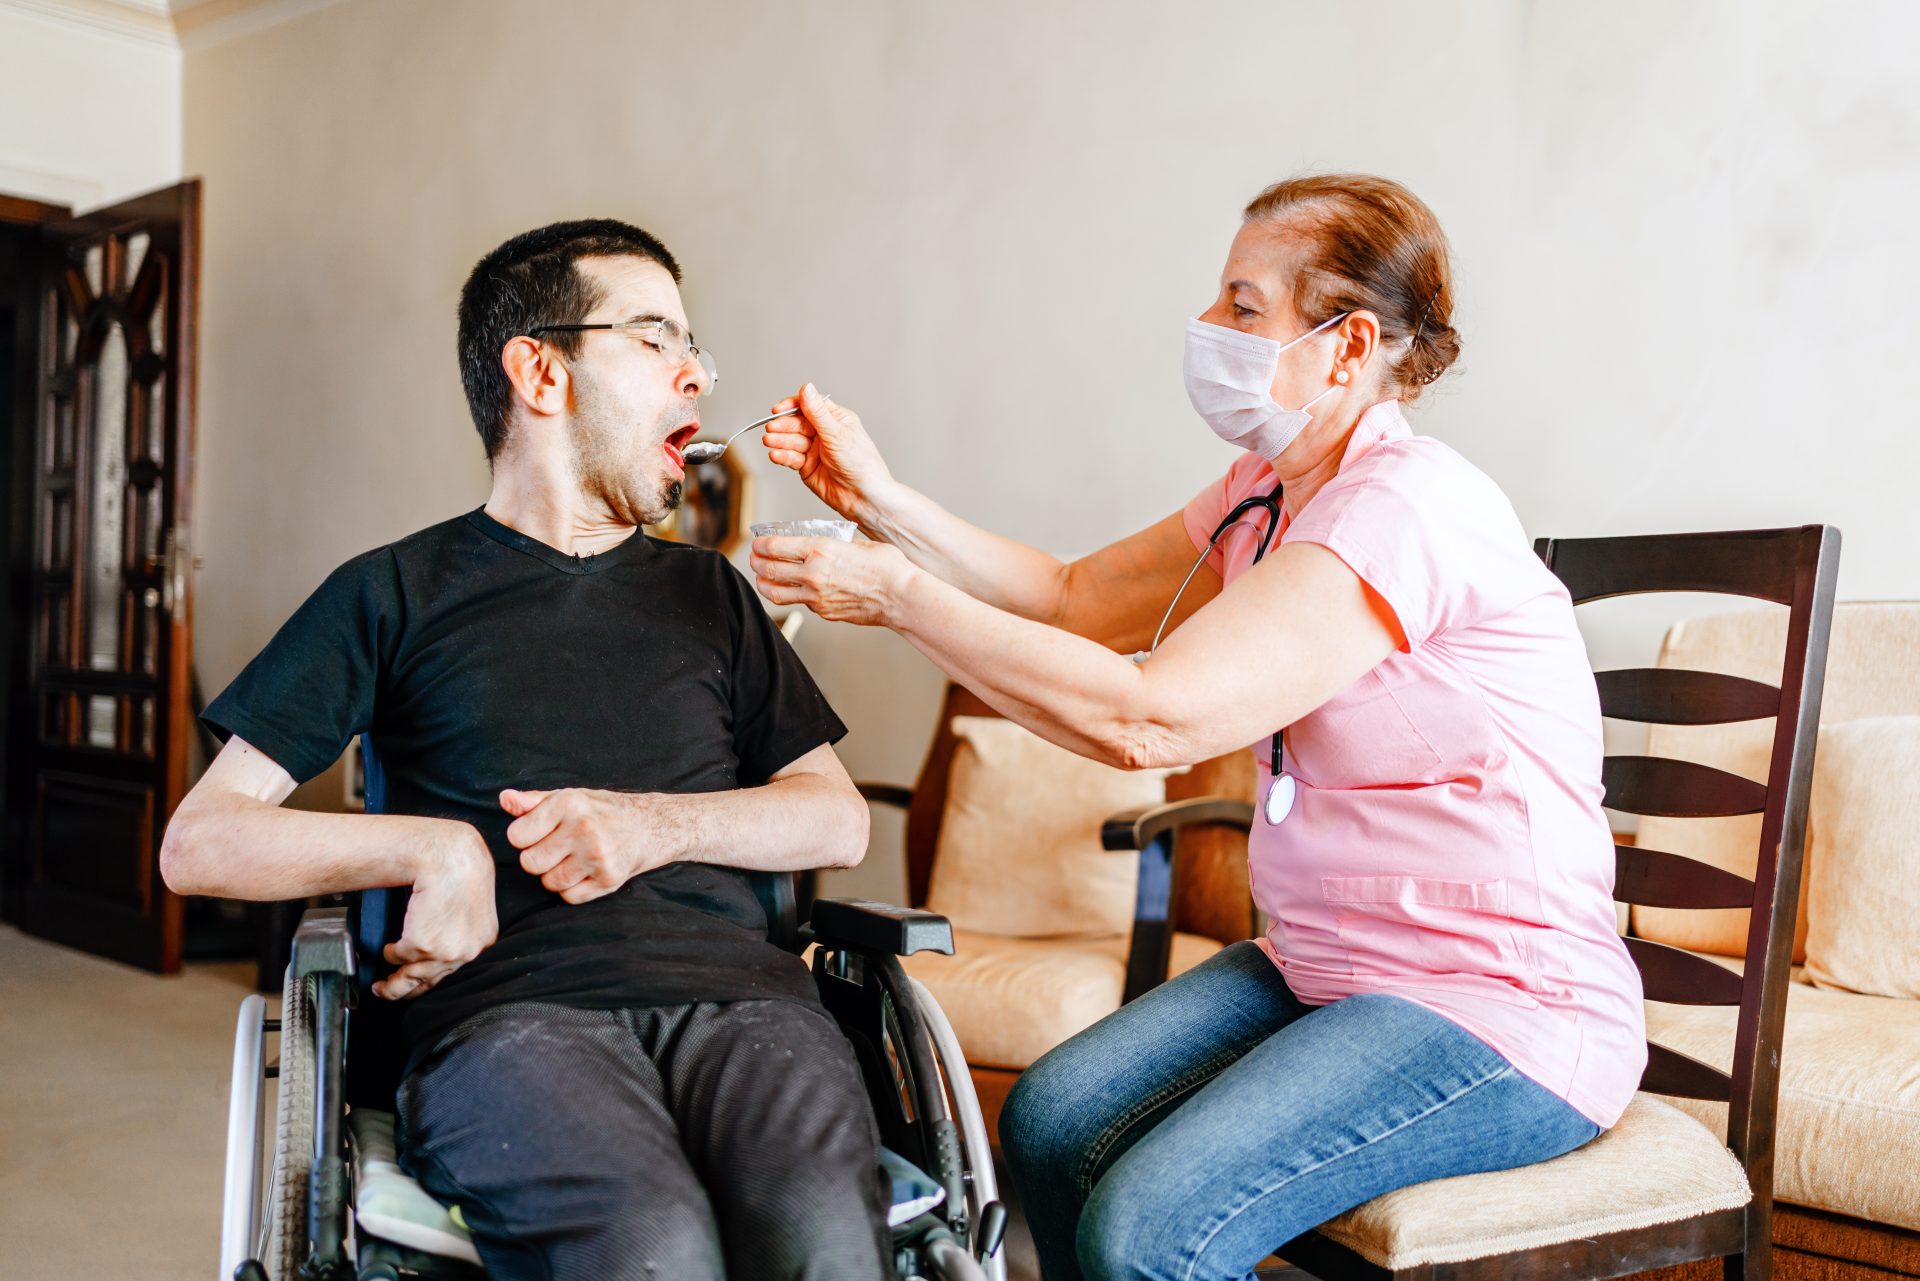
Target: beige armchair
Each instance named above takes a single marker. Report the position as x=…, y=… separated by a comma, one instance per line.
x=1004, y=835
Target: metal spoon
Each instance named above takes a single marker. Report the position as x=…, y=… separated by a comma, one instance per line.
x=707, y=451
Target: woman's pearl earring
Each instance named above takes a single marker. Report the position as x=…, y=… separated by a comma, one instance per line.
x=1340, y=377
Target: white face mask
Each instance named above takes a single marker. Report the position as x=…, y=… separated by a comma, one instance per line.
x=1230, y=382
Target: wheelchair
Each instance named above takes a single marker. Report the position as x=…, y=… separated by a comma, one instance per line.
x=324, y=1199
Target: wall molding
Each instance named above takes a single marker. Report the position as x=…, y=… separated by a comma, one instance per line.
x=173, y=24
x=146, y=22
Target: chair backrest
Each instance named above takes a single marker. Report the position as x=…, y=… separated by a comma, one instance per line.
x=1791, y=567
x=929, y=802
x=1212, y=897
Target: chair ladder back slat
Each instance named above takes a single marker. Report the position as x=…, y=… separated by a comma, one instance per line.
x=1757, y=563
x=1673, y=788
x=1655, y=878
x=1682, y=978
x=1673, y=1073
x=1678, y=696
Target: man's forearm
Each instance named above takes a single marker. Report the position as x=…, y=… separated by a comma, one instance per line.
x=788, y=825
x=235, y=846
x=1005, y=574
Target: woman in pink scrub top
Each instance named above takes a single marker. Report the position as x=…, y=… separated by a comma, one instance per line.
x=1442, y=990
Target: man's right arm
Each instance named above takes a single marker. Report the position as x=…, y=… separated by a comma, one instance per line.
x=231, y=838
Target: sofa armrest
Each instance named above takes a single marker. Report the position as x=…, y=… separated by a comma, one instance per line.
x=866, y=926
x=1151, y=831
x=886, y=794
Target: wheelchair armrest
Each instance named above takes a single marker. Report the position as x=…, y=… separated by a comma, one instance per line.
x=886, y=794
x=879, y=927
x=323, y=944
x=1137, y=829
x=1150, y=831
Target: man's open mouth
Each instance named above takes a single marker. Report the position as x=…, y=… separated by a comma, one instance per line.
x=676, y=444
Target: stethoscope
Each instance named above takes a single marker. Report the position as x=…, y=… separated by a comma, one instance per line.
x=1281, y=788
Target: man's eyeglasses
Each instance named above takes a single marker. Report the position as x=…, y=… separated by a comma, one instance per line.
x=664, y=336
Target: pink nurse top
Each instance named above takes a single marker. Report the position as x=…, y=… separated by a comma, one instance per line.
x=1446, y=842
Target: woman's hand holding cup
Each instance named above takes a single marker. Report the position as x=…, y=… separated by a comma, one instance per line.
x=843, y=582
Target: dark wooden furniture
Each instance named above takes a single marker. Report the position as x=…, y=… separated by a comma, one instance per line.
x=1196, y=883
x=101, y=719
x=1791, y=567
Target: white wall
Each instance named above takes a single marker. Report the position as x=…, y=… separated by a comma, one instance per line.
x=1689, y=264
x=87, y=116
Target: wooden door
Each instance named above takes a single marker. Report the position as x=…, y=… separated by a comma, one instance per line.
x=110, y=640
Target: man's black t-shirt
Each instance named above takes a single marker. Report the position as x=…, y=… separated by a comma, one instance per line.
x=474, y=658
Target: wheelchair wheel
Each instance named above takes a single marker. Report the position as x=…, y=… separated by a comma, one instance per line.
x=285, y=1214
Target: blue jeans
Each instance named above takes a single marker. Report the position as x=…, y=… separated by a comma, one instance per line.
x=1191, y=1133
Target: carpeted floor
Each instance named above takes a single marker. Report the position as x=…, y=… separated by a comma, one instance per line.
x=113, y=1112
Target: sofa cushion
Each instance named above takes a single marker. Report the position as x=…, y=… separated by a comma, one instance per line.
x=1849, y=1116
x=1010, y=1000
x=1657, y=1165
x=1729, y=843
x=1863, y=888
x=1870, y=672
x=1019, y=848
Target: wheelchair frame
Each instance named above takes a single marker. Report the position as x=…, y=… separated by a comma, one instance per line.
x=915, y=1072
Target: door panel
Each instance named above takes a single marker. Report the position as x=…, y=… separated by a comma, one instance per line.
x=110, y=590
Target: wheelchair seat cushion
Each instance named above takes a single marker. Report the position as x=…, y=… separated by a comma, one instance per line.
x=389, y=1204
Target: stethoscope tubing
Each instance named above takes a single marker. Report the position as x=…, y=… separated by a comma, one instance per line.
x=1240, y=515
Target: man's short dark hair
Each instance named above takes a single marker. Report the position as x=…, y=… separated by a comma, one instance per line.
x=528, y=282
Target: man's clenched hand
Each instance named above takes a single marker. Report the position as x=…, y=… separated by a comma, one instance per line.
x=450, y=914
x=583, y=844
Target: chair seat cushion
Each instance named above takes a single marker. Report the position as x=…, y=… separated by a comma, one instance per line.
x=1849, y=1117
x=1012, y=999
x=1657, y=1165
x=389, y=1204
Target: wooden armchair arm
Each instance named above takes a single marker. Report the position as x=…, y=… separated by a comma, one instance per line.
x=1151, y=831
x=886, y=794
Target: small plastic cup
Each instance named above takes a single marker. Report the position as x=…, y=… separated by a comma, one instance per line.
x=840, y=529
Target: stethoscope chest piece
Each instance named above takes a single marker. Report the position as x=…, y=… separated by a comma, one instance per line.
x=1280, y=794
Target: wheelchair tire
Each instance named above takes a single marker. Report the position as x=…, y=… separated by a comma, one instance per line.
x=285, y=1214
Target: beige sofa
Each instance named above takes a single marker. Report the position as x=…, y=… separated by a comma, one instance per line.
x=1847, y=1143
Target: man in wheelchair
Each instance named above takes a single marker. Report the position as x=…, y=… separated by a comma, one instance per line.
x=581, y=744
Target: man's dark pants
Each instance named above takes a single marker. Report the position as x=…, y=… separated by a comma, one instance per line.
x=716, y=1140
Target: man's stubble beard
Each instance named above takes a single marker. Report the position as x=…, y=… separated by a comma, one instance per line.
x=601, y=467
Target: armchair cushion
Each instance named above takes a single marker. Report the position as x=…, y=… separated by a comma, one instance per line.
x=1863, y=884
x=1010, y=1000
x=1657, y=1165
x=1019, y=850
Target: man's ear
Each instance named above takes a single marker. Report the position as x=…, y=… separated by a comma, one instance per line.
x=539, y=378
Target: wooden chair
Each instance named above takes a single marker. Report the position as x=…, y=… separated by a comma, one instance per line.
x=1563, y=1218
x=1192, y=851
